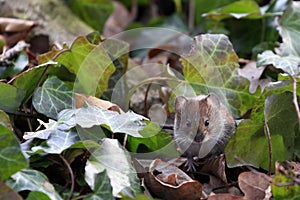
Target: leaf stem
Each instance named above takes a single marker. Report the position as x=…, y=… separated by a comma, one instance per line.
x=71, y=176
x=295, y=101
x=270, y=147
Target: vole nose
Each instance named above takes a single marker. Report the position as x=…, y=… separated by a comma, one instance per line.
x=199, y=137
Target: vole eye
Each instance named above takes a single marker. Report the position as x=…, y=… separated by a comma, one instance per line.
x=206, y=123
x=188, y=123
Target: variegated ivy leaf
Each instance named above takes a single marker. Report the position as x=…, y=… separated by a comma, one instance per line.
x=110, y=156
x=129, y=123
x=32, y=180
x=212, y=66
x=288, y=64
x=11, y=156
x=52, y=97
x=287, y=56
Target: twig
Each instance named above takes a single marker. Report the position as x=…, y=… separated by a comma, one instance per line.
x=145, y=100
x=22, y=114
x=125, y=140
x=288, y=174
x=27, y=119
x=270, y=147
x=295, y=101
x=191, y=15
x=79, y=197
x=71, y=176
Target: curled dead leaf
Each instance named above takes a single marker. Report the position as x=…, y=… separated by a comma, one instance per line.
x=255, y=185
x=106, y=105
x=15, y=25
x=17, y=29
x=167, y=181
x=216, y=167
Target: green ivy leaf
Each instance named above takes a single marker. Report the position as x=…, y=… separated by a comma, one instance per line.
x=213, y=65
x=202, y=7
x=282, y=120
x=52, y=97
x=11, y=97
x=35, y=195
x=110, y=156
x=91, y=65
x=93, y=12
x=155, y=140
x=119, y=54
x=250, y=136
x=248, y=9
x=11, y=156
x=4, y=120
x=29, y=79
x=33, y=180
x=102, y=188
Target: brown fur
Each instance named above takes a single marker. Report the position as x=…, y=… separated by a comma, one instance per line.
x=203, y=125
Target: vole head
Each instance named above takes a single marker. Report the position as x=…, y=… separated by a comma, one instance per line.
x=203, y=125
x=196, y=116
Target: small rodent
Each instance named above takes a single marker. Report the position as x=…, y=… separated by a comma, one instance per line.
x=202, y=128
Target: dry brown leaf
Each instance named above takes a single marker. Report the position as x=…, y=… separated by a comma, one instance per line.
x=255, y=185
x=17, y=28
x=7, y=193
x=216, y=167
x=224, y=197
x=106, y=105
x=15, y=25
x=118, y=20
x=166, y=181
x=251, y=72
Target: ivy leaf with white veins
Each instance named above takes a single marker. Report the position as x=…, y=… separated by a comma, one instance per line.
x=58, y=142
x=42, y=134
x=32, y=180
x=288, y=64
x=102, y=188
x=11, y=156
x=129, y=123
x=52, y=97
x=287, y=56
x=110, y=156
x=289, y=30
x=57, y=134
x=213, y=66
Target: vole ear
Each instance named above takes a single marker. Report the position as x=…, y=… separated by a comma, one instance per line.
x=213, y=98
x=179, y=102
